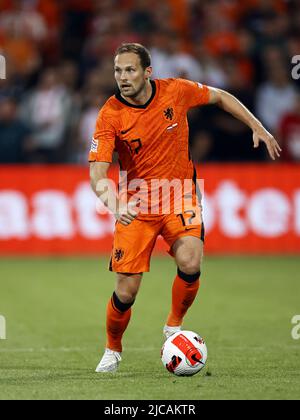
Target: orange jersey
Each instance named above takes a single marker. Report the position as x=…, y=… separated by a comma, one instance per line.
x=152, y=140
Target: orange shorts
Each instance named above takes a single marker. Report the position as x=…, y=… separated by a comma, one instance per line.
x=133, y=244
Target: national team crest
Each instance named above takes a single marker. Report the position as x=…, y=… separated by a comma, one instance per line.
x=169, y=114
x=119, y=254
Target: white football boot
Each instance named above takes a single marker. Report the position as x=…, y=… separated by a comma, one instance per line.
x=168, y=331
x=109, y=362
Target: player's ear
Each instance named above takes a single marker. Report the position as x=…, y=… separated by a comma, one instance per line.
x=148, y=72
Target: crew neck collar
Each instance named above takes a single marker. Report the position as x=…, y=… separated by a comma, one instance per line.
x=121, y=99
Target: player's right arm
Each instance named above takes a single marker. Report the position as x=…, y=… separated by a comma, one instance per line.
x=105, y=190
x=100, y=157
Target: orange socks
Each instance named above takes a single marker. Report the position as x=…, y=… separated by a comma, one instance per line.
x=184, y=292
x=118, y=315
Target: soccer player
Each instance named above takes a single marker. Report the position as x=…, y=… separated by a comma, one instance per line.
x=146, y=123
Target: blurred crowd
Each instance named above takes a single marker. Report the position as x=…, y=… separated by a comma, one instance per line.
x=59, y=58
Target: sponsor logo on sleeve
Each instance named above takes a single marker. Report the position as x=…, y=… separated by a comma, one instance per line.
x=95, y=144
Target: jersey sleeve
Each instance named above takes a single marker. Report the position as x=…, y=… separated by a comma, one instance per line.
x=192, y=93
x=103, y=142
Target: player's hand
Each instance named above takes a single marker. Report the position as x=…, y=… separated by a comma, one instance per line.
x=261, y=134
x=127, y=213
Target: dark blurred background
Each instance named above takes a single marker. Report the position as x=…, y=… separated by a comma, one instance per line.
x=60, y=70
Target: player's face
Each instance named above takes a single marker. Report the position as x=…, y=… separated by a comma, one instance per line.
x=130, y=75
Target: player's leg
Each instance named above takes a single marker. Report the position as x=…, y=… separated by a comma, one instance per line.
x=119, y=308
x=131, y=255
x=185, y=235
x=118, y=314
x=188, y=251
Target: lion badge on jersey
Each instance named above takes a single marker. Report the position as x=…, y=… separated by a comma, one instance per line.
x=119, y=254
x=169, y=114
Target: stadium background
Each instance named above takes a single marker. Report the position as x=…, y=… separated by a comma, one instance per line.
x=59, y=73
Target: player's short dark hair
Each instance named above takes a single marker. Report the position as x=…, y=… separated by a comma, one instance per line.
x=137, y=49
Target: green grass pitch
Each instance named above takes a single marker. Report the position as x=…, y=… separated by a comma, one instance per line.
x=55, y=314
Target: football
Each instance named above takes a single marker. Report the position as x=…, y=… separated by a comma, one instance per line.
x=184, y=353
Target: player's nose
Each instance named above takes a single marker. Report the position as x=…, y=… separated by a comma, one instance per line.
x=123, y=77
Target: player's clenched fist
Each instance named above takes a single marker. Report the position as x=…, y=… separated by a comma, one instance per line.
x=127, y=213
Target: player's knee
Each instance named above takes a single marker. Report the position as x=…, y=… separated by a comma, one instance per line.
x=126, y=295
x=127, y=287
x=123, y=301
x=189, y=264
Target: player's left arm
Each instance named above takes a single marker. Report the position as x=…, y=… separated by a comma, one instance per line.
x=231, y=104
